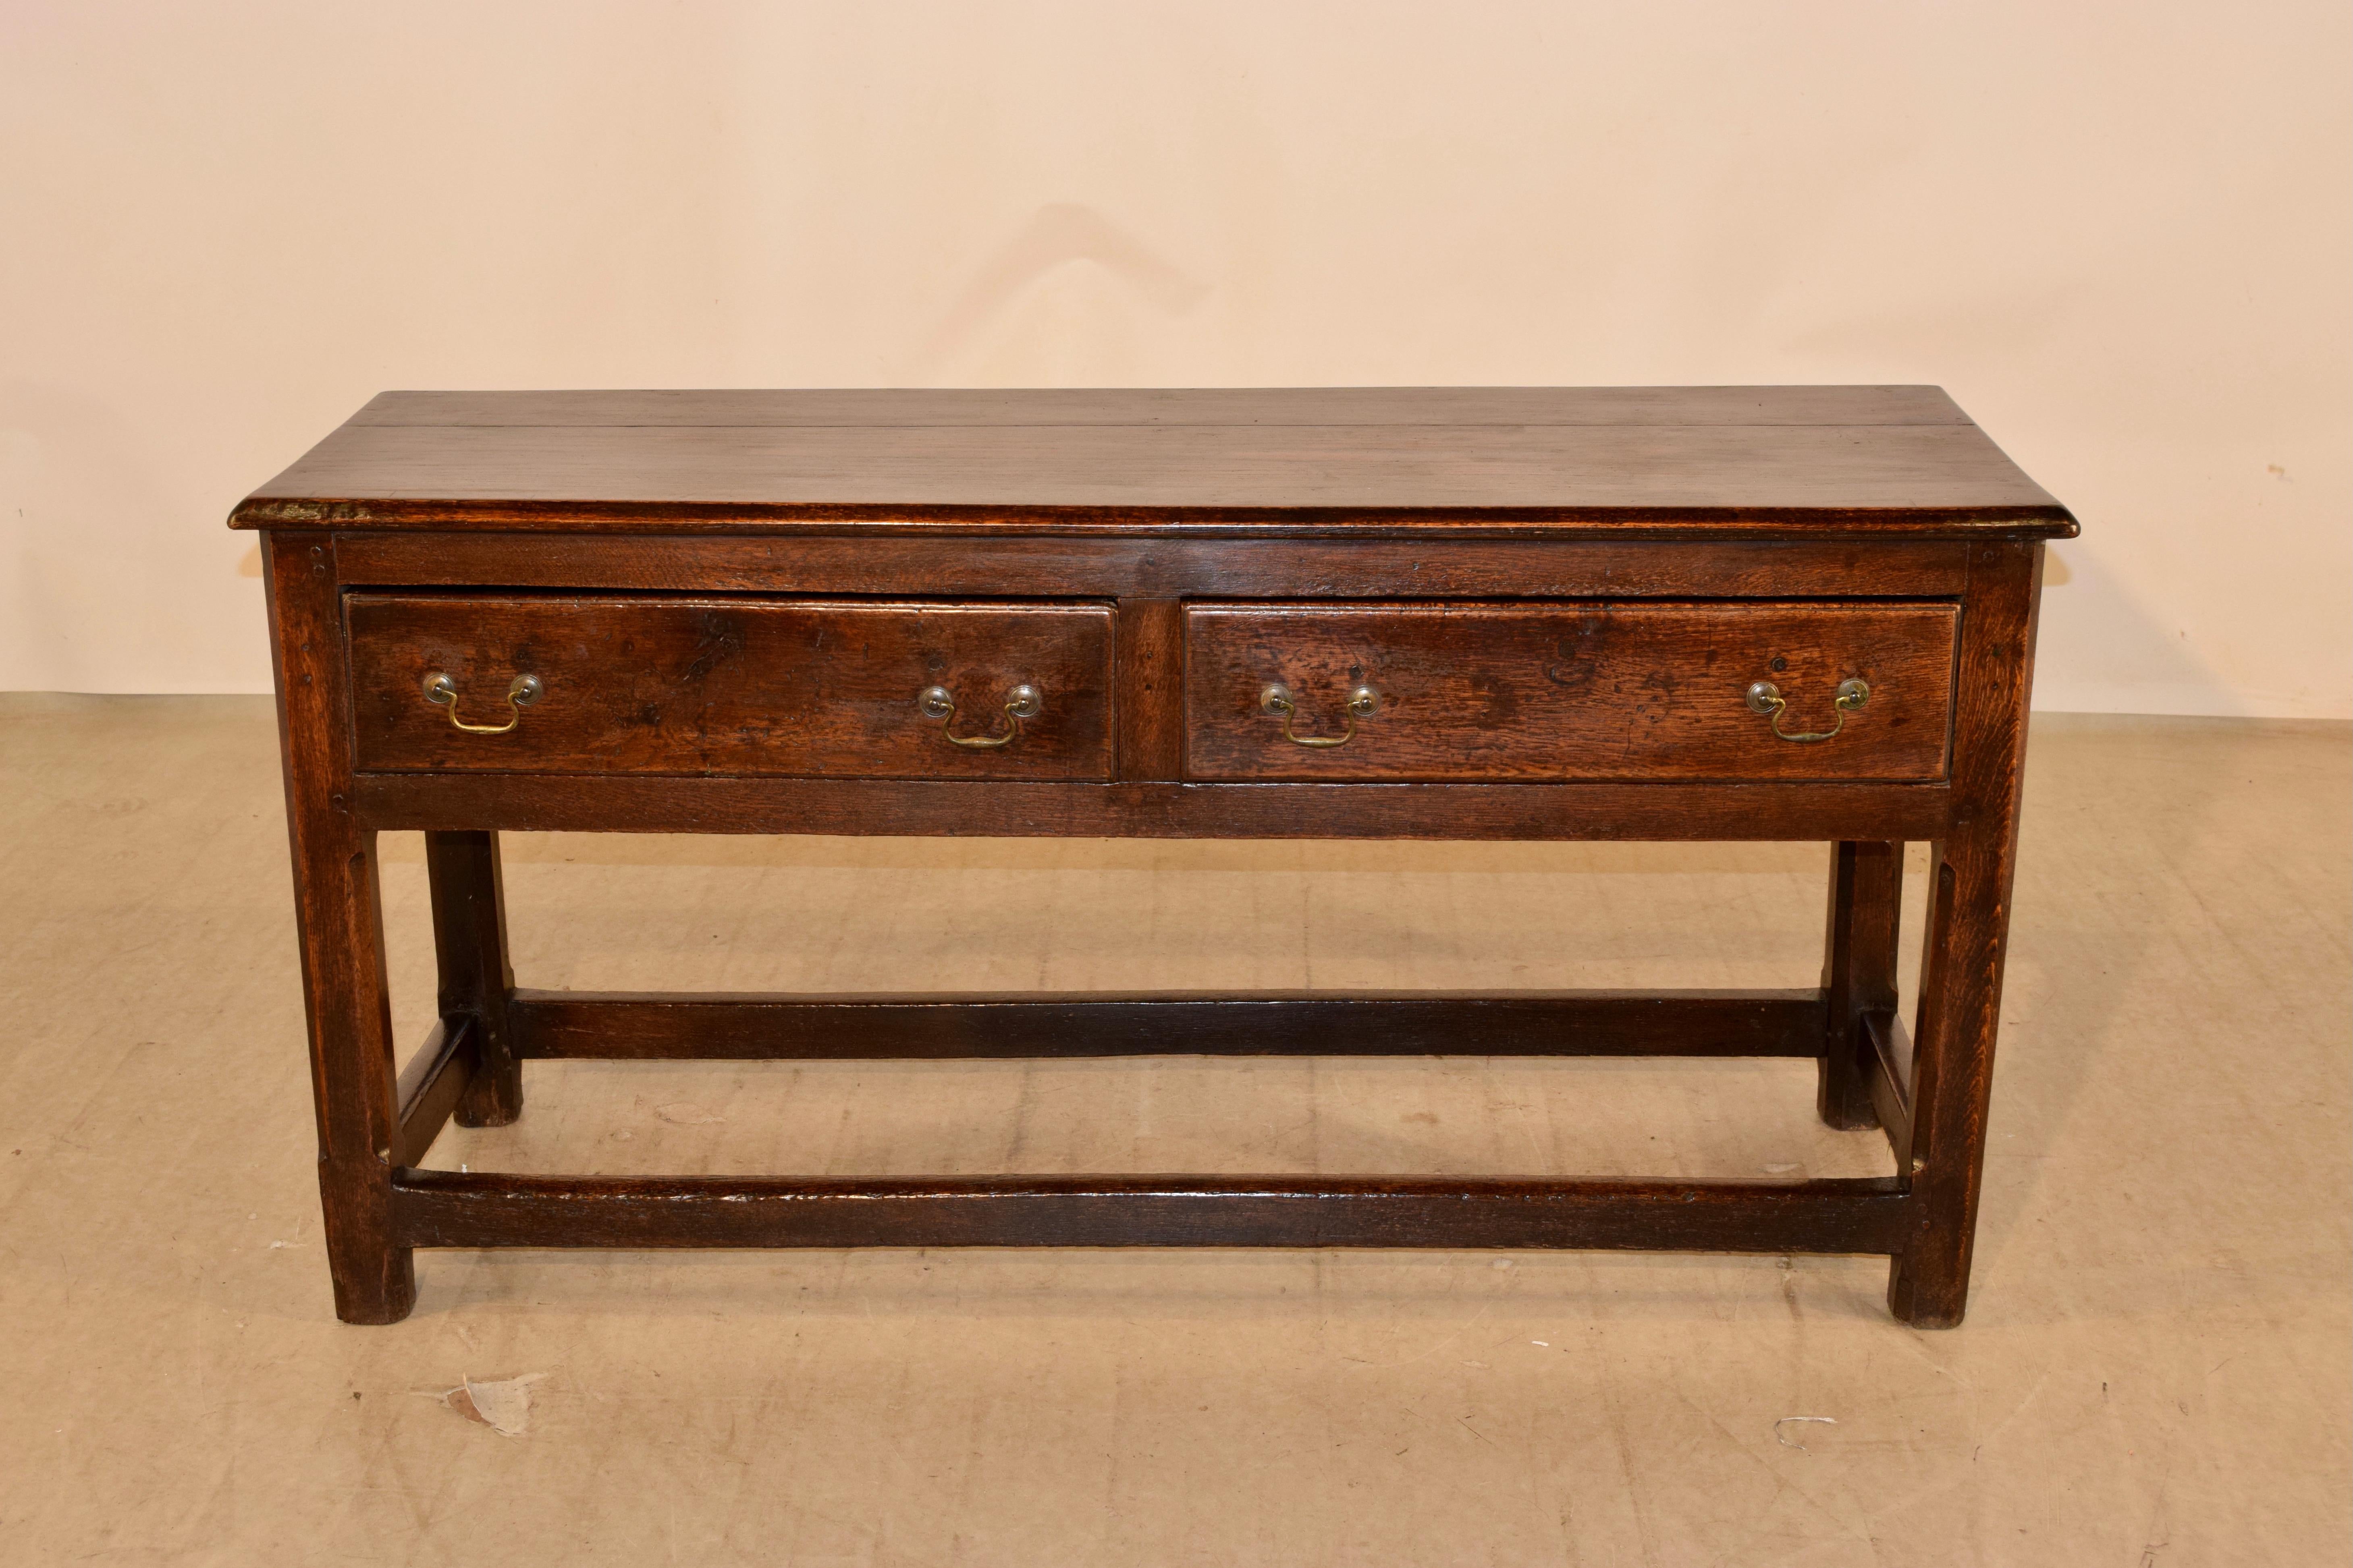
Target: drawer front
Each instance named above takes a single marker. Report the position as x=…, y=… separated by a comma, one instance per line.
x=1569, y=691
x=822, y=688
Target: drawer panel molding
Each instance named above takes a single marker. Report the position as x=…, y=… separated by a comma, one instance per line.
x=693, y=686
x=1758, y=691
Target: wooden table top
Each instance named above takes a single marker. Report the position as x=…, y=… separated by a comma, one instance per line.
x=1789, y=461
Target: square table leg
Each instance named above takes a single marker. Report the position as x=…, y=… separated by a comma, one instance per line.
x=340, y=925
x=1858, y=974
x=469, y=944
x=1969, y=880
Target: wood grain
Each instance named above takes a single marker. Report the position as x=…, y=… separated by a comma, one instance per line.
x=1567, y=692
x=469, y=945
x=1163, y=568
x=339, y=925
x=875, y=1028
x=1969, y=878
x=703, y=686
x=1859, y=963
x=1151, y=675
x=447, y=1208
x=440, y=1078
x=564, y=802
x=1887, y=1072
x=1772, y=461
x=1561, y=594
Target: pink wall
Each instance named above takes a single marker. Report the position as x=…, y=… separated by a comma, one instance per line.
x=2120, y=234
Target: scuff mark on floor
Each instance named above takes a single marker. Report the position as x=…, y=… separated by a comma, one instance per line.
x=503, y=1405
x=1784, y=1421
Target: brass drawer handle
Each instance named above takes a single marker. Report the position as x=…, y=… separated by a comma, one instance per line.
x=1363, y=703
x=1022, y=702
x=1764, y=697
x=521, y=692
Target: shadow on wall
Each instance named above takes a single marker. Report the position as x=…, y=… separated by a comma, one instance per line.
x=1058, y=236
x=2131, y=663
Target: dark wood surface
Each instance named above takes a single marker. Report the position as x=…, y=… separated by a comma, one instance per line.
x=448, y=1208
x=1887, y=1068
x=442, y=1073
x=339, y=922
x=1771, y=460
x=871, y=1028
x=689, y=685
x=1970, y=879
x=1859, y=966
x=1164, y=568
x=1150, y=671
x=469, y=945
x=1567, y=692
x=1016, y=808
x=734, y=598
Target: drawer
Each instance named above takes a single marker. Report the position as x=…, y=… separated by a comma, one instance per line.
x=1569, y=690
x=664, y=685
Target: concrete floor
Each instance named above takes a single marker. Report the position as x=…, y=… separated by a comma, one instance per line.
x=2154, y=1370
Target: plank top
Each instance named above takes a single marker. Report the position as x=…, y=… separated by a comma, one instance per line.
x=1732, y=461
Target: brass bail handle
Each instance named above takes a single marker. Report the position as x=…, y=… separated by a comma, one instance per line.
x=1764, y=697
x=1024, y=701
x=1363, y=703
x=521, y=692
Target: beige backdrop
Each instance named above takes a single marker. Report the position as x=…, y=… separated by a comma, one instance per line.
x=2120, y=234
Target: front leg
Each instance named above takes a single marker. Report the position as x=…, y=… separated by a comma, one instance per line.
x=338, y=916
x=1969, y=882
